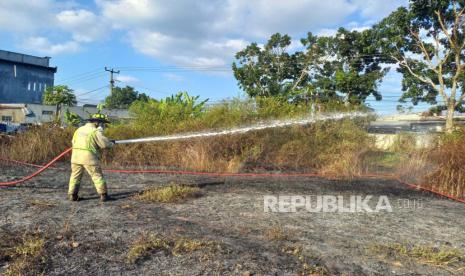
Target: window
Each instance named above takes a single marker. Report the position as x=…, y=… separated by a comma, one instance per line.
x=7, y=118
x=45, y=86
x=40, y=86
x=34, y=87
x=47, y=112
x=14, y=70
x=28, y=86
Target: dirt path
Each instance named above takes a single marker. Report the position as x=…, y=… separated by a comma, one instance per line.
x=91, y=238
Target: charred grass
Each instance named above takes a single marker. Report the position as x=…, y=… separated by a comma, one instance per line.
x=310, y=265
x=277, y=233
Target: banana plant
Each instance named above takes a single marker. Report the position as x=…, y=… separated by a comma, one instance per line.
x=72, y=118
x=183, y=103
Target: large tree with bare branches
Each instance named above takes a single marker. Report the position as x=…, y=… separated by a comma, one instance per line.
x=427, y=42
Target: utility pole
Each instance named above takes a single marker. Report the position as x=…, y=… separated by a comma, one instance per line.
x=112, y=80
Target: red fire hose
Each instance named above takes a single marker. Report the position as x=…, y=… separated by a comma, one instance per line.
x=24, y=179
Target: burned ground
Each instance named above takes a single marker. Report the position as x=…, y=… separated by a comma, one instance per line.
x=89, y=237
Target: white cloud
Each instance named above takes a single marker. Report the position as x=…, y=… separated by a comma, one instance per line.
x=351, y=26
x=84, y=25
x=258, y=18
x=184, y=18
x=128, y=12
x=261, y=18
x=183, y=32
x=69, y=26
x=208, y=33
x=25, y=16
x=127, y=79
x=327, y=32
x=173, y=77
x=357, y=26
x=296, y=45
x=377, y=9
x=186, y=51
x=42, y=45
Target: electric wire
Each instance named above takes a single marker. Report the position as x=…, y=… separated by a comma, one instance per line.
x=79, y=75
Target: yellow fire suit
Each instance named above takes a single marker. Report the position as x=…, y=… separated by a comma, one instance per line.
x=88, y=140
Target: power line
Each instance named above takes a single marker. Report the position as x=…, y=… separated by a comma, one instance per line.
x=87, y=77
x=146, y=88
x=79, y=75
x=171, y=67
x=89, y=92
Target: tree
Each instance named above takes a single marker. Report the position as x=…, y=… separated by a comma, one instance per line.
x=330, y=68
x=427, y=43
x=343, y=66
x=314, y=82
x=267, y=71
x=357, y=71
x=59, y=95
x=124, y=97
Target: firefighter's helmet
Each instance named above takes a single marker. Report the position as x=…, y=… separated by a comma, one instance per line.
x=99, y=118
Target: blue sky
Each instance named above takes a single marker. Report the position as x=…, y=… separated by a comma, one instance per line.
x=162, y=47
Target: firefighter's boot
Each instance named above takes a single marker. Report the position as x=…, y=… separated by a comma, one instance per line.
x=73, y=197
x=104, y=197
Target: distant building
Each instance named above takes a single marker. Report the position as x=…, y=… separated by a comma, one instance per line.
x=24, y=78
x=17, y=114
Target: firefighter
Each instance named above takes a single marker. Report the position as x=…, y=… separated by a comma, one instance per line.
x=88, y=141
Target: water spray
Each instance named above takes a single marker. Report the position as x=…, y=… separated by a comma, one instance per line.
x=241, y=130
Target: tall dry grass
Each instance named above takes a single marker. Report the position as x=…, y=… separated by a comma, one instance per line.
x=413, y=162
x=334, y=148
x=439, y=167
x=39, y=144
x=449, y=160
x=331, y=147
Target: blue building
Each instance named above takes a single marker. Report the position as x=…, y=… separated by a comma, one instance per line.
x=24, y=78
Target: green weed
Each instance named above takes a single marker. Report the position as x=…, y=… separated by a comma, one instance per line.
x=446, y=257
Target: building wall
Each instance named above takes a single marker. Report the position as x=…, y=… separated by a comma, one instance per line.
x=12, y=115
x=387, y=141
x=23, y=83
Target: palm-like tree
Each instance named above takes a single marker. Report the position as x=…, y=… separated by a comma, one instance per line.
x=58, y=96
